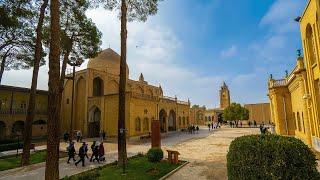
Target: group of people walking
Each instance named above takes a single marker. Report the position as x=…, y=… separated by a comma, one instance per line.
x=213, y=126
x=77, y=134
x=192, y=129
x=97, y=152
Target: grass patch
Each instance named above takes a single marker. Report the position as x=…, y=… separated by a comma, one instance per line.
x=138, y=168
x=11, y=162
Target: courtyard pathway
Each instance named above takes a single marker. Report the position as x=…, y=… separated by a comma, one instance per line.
x=36, y=172
x=207, y=156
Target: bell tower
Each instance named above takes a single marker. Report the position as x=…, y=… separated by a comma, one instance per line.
x=224, y=96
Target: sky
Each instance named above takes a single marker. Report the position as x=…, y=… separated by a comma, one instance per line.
x=190, y=47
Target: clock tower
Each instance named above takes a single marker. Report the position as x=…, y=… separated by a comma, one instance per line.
x=224, y=96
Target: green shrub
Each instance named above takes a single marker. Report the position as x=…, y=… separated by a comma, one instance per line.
x=155, y=154
x=8, y=141
x=270, y=157
x=87, y=175
x=10, y=146
x=91, y=175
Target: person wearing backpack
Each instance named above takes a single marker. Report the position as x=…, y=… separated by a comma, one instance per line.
x=81, y=154
x=71, y=152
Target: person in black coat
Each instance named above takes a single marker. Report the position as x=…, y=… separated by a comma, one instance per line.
x=82, y=154
x=71, y=152
x=66, y=137
x=93, y=150
x=103, y=135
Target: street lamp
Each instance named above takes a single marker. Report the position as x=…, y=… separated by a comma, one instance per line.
x=73, y=62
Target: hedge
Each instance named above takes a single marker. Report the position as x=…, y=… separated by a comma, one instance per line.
x=10, y=146
x=270, y=157
x=155, y=154
x=8, y=141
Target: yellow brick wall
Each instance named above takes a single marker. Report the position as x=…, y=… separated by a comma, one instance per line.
x=18, y=113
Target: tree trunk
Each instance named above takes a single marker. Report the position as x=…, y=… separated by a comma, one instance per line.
x=54, y=100
x=32, y=97
x=122, y=150
x=3, y=64
x=63, y=70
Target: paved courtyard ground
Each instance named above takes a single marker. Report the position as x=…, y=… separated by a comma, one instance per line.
x=207, y=156
x=205, y=150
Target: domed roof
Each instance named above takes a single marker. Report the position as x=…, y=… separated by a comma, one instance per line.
x=107, y=60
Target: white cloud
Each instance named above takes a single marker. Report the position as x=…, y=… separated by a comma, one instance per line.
x=272, y=48
x=230, y=52
x=152, y=49
x=281, y=15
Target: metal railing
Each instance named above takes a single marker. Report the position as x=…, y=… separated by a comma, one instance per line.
x=277, y=83
x=169, y=98
x=182, y=102
x=143, y=96
x=22, y=111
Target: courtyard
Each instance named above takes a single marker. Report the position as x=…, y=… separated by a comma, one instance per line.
x=206, y=151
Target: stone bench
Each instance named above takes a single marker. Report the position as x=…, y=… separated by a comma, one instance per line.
x=173, y=156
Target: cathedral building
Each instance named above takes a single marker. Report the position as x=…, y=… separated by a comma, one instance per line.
x=295, y=99
x=203, y=116
x=96, y=99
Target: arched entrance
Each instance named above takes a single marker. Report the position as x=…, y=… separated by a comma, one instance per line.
x=18, y=127
x=172, y=121
x=94, y=122
x=162, y=118
x=2, y=130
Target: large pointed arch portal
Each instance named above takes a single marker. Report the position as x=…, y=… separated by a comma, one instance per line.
x=172, y=121
x=162, y=118
x=94, y=122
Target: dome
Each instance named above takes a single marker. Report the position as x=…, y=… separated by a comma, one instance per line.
x=107, y=60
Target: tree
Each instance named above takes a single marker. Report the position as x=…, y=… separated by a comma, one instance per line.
x=79, y=36
x=130, y=10
x=195, y=106
x=32, y=96
x=235, y=112
x=17, y=37
x=79, y=39
x=52, y=158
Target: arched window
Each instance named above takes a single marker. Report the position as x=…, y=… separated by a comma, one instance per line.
x=146, y=124
x=206, y=118
x=18, y=127
x=138, y=124
x=311, y=46
x=187, y=120
x=97, y=86
x=179, y=120
x=209, y=118
x=184, y=120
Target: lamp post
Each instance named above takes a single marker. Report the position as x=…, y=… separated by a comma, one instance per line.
x=74, y=62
